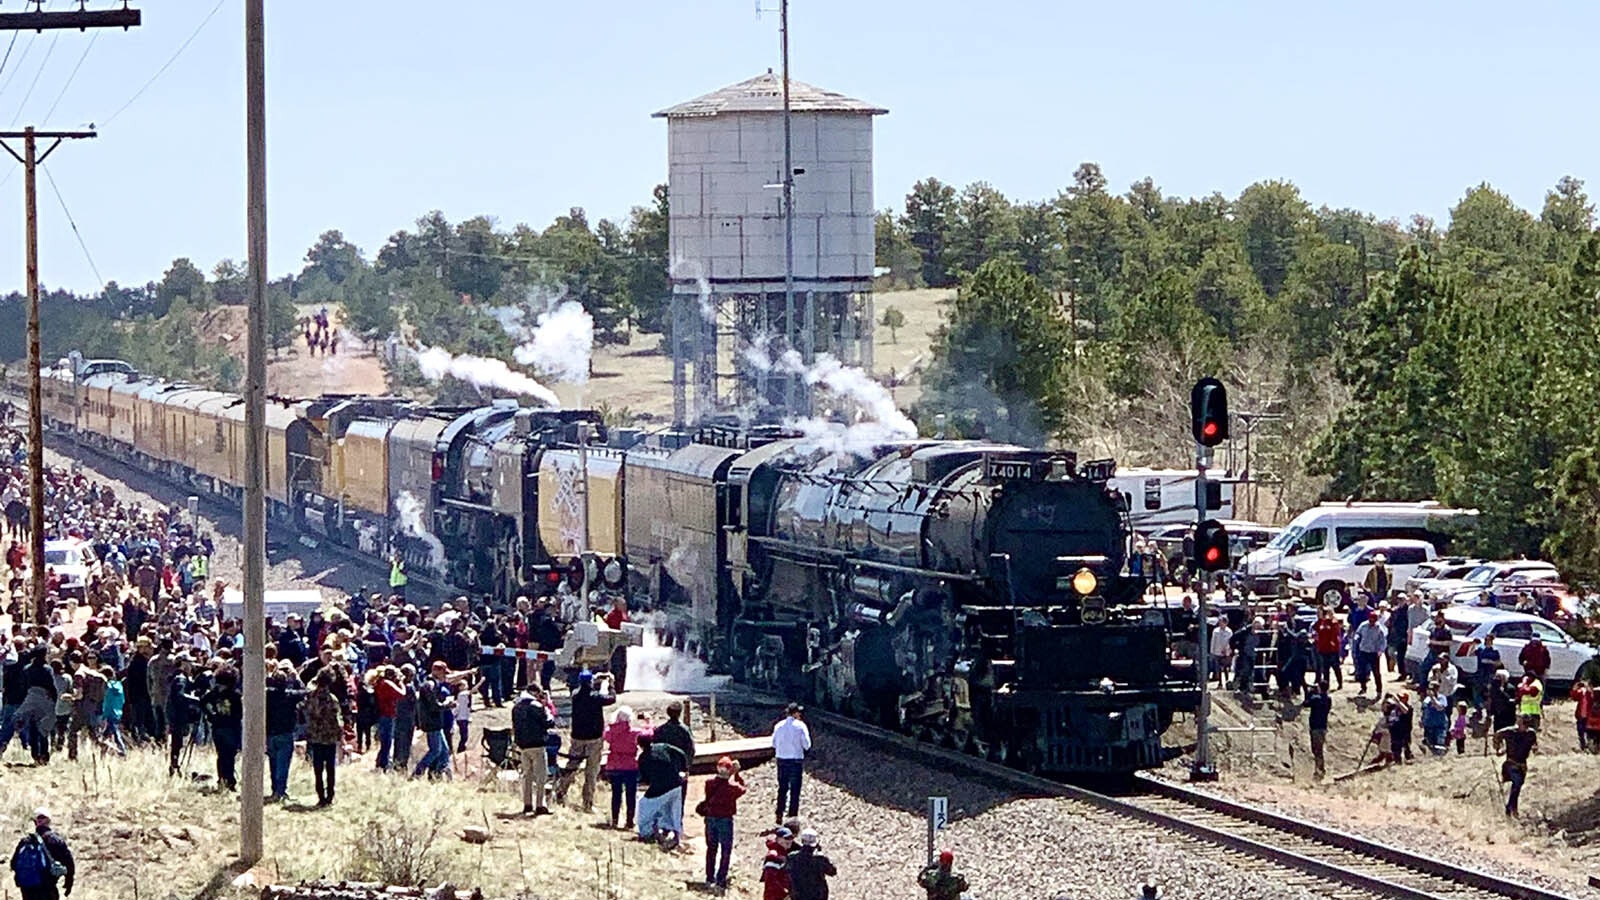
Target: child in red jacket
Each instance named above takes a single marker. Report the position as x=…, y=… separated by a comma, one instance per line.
x=775, y=868
x=719, y=808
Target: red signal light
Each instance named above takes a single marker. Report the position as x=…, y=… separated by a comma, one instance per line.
x=1213, y=554
x=1209, y=429
x=552, y=577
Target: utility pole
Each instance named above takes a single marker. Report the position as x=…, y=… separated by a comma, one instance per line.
x=30, y=159
x=39, y=20
x=255, y=499
x=789, y=329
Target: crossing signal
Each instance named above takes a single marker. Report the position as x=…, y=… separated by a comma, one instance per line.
x=1208, y=410
x=1211, y=546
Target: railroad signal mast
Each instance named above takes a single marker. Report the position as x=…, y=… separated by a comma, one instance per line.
x=1208, y=416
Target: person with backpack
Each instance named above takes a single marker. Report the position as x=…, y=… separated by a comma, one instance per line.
x=41, y=860
x=530, y=729
x=224, y=711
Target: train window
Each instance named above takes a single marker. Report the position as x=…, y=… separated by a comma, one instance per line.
x=218, y=444
x=1152, y=493
x=733, y=500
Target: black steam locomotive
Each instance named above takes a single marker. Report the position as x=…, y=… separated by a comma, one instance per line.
x=970, y=592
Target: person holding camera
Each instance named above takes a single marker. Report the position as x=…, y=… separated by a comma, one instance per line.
x=718, y=808
x=589, y=702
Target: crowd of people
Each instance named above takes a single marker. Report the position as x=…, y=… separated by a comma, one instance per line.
x=146, y=651
x=1366, y=640
x=320, y=334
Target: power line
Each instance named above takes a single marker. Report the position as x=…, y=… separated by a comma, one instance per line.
x=75, y=232
x=56, y=36
x=166, y=65
x=8, y=51
x=26, y=48
x=57, y=102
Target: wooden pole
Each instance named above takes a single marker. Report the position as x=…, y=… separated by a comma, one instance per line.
x=41, y=604
x=254, y=747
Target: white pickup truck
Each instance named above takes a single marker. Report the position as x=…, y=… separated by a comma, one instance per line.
x=1329, y=581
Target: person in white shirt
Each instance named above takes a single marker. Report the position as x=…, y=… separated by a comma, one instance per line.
x=1221, y=648
x=791, y=740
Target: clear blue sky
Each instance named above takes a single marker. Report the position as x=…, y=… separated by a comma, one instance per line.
x=519, y=109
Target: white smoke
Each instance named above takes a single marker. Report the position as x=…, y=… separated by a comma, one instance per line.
x=560, y=344
x=874, y=417
x=690, y=268
x=409, y=509
x=654, y=667
x=491, y=374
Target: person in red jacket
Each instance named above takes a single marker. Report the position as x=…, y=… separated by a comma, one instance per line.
x=388, y=693
x=775, y=868
x=719, y=808
x=1325, y=637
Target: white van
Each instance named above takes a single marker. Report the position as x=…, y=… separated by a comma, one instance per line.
x=1326, y=529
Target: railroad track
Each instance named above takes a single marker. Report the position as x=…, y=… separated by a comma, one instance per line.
x=1320, y=860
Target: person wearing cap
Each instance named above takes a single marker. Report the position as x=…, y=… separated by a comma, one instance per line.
x=791, y=741
x=588, y=736
x=775, y=867
x=719, y=808
x=1379, y=580
x=940, y=880
x=46, y=870
x=809, y=869
x=1367, y=645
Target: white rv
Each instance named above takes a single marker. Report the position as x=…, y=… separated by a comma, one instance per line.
x=1326, y=529
x=1166, y=496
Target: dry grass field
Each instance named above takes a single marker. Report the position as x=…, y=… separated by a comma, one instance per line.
x=137, y=833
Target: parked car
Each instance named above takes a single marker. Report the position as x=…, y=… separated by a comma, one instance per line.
x=1468, y=587
x=1512, y=630
x=1328, y=581
x=1429, y=574
x=70, y=559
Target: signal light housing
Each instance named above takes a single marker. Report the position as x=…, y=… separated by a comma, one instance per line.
x=1211, y=547
x=1208, y=412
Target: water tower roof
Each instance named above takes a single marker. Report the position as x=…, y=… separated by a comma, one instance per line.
x=764, y=93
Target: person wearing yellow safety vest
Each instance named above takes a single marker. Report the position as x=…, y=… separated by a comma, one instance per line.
x=397, y=577
x=1530, y=700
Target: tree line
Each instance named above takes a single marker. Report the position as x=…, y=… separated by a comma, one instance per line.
x=1406, y=361
x=440, y=283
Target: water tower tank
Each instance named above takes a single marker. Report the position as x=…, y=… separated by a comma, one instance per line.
x=724, y=160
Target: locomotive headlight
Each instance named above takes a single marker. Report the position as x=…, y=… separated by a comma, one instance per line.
x=1084, y=582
